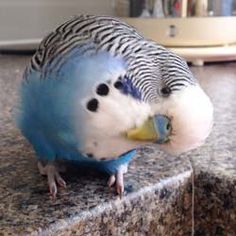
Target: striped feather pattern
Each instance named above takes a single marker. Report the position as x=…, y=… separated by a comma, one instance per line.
x=149, y=65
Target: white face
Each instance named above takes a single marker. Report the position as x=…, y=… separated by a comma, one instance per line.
x=103, y=131
x=191, y=114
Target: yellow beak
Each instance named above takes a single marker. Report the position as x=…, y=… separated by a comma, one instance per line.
x=146, y=132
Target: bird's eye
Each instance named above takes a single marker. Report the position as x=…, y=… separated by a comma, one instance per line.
x=165, y=91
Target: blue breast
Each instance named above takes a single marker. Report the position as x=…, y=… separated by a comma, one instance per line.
x=107, y=166
x=46, y=114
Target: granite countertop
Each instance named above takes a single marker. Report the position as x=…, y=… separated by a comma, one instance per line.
x=164, y=195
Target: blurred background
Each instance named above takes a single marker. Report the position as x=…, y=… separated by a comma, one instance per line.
x=199, y=30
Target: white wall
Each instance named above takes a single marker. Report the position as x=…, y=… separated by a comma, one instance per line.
x=32, y=19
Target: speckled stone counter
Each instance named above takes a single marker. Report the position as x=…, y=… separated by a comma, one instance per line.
x=214, y=163
x=158, y=193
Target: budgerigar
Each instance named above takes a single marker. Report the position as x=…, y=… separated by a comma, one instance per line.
x=96, y=90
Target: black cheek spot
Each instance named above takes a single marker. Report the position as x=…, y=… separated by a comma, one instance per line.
x=118, y=84
x=90, y=155
x=102, y=90
x=92, y=105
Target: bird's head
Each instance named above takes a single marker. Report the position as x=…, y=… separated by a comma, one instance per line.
x=182, y=112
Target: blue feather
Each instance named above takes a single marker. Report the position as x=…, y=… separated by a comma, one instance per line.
x=108, y=166
x=47, y=104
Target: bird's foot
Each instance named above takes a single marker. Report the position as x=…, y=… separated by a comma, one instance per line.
x=118, y=179
x=52, y=171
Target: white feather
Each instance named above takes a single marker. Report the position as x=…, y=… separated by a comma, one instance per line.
x=189, y=109
x=191, y=114
x=117, y=113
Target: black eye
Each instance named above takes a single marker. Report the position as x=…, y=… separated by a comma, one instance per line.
x=165, y=91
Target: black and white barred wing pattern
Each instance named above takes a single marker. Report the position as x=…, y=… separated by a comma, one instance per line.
x=149, y=66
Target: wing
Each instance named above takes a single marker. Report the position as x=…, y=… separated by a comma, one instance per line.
x=91, y=34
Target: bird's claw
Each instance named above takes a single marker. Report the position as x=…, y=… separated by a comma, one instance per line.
x=54, y=178
x=118, y=180
x=111, y=181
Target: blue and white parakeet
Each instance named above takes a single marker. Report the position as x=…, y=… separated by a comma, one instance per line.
x=96, y=89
